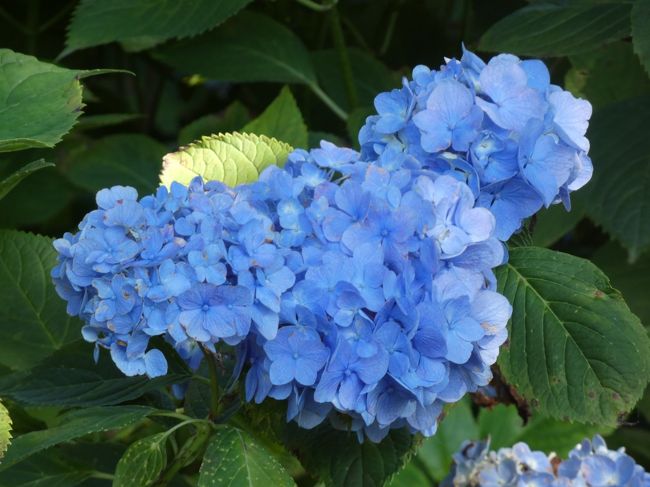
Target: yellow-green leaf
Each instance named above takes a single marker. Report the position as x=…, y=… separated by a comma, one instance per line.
x=5, y=430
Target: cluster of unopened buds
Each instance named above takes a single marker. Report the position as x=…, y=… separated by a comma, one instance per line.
x=354, y=283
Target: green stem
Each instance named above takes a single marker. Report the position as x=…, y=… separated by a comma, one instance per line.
x=344, y=58
x=318, y=7
x=331, y=104
x=390, y=30
x=9, y=18
x=102, y=475
x=215, y=405
x=56, y=18
x=188, y=452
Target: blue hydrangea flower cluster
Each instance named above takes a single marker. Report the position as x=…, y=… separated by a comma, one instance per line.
x=350, y=288
x=590, y=464
x=516, y=139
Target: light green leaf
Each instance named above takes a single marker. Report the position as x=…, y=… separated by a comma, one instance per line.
x=632, y=279
x=70, y=377
x=338, y=459
x=39, y=102
x=33, y=321
x=620, y=190
x=124, y=159
x=575, y=351
x=5, y=430
x=545, y=29
x=591, y=75
x=233, y=118
x=74, y=425
x=641, y=31
x=281, y=119
x=97, y=22
x=230, y=158
x=142, y=462
x=370, y=76
x=234, y=458
x=249, y=47
x=9, y=183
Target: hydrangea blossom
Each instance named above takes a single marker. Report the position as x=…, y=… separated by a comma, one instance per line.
x=590, y=464
x=518, y=140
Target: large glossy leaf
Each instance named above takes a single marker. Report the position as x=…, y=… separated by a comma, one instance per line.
x=641, y=32
x=70, y=377
x=124, y=159
x=575, y=350
x=249, y=47
x=620, y=191
x=10, y=182
x=338, y=459
x=39, y=102
x=281, y=119
x=33, y=321
x=73, y=425
x=234, y=458
x=231, y=158
x=142, y=462
x=546, y=29
x=591, y=75
x=146, y=22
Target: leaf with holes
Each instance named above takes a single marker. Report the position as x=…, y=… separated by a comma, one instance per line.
x=249, y=47
x=620, y=190
x=233, y=457
x=545, y=29
x=575, y=350
x=32, y=316
x=142, y=462
x=73, y=425
x=147, y=22
x=281, y=119
x=230, y=158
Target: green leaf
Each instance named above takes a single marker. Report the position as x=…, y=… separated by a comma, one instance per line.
x=632, y=279
x=70, y=377
x=74, y=425
x=142, y=462
x=5, y=430
x=338, y=459
x=591, y=75
x=233, y=458
x=370, y=76
x=233, y=118
x=249, y=47
x=457, y=426
x=545, y=29
x=551, y=224
x=281, y=119
x=551, y=435
x=124, y=159
x=9, y=183
x=231, y=158
x=502, y=424
x=91, y=122
x=45, y=469
x=641, y=32
x=33, y=321
x=575, y=350
x=620, y=190
x=411, y=475
x=96, y=22
x=39, y=102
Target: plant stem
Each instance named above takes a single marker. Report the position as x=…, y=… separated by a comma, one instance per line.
x=331, y=104
x=344, y=58
x=188, y=452
x=390, y=30
x=102, y=475
x=318, y=7
x=215, y=405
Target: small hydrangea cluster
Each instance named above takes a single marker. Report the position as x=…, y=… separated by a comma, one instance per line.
x=590, y=464
x=517, y=140
x=371, y=294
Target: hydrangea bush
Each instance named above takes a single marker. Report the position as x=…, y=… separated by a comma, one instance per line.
x=283, y=305
x=589, y=464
